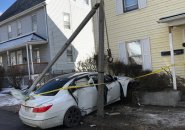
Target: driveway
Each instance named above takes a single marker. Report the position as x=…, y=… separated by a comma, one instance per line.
x=118, y=117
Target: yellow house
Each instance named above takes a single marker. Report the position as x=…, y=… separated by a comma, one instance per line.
x=147, y=31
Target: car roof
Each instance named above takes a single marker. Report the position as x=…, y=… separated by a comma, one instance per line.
x=76, y=75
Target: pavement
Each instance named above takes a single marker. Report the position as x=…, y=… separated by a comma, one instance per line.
x=11, y=121
x=118, y=117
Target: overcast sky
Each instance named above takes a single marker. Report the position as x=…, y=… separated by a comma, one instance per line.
x=4, y=4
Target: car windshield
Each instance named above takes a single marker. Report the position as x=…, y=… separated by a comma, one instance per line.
x=52, y=85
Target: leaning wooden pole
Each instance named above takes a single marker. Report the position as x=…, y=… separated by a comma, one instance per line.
x=66, y=45
x=100, y=105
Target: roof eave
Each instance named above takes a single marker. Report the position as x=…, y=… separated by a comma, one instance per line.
x=23, y=13
x=170, y=19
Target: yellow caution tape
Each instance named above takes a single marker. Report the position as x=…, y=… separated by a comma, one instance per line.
x=67, y=88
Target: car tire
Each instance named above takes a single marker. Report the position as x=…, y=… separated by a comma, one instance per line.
x=72, y=117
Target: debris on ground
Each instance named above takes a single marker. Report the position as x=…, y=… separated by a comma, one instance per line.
x=93, y=125
x=113, y=114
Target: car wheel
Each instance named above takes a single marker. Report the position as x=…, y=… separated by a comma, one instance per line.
x=72, y=117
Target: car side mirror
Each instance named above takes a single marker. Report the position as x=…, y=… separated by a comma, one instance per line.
x=90, y=81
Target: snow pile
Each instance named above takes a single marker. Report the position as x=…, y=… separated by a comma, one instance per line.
x=6, y=99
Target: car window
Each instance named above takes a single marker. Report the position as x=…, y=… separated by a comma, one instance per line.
x=52, y=85
x=95, y=78
x=108, y=78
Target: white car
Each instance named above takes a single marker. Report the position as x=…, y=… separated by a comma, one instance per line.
x=66, y=107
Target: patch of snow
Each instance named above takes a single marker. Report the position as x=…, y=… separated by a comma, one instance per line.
x=8, y=100
x=6, y=90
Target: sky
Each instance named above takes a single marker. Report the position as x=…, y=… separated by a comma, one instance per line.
x=4, y=4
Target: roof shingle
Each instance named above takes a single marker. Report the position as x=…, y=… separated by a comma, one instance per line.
x=18, y=7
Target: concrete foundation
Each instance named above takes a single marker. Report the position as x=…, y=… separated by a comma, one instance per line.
x=164, y=98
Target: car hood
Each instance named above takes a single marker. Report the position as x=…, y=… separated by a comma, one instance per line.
x=35, y=101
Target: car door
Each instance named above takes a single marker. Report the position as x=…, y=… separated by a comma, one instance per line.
x=86, y=97
x=113, y=87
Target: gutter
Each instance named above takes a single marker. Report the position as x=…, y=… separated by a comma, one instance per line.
x=23, y=13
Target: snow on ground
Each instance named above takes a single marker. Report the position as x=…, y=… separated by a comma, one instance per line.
x=6, y=99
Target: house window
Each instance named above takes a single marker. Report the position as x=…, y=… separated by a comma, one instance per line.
x=67, y=21
x=13, y=58
x=19, y=57
x=134, y=52
x=1, y=61
x=129, y=5
x=34, y=23
x=19, y=28
x=36, y=55
x=9, y=31
x=70, y=54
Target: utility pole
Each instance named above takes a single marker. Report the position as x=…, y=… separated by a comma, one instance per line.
x=100, y=102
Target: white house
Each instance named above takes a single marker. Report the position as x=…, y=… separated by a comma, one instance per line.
x=33, y=31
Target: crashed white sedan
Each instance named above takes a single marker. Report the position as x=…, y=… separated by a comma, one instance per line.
x=66, y=107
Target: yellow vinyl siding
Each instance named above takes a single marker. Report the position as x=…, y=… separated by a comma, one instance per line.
x=142, y=23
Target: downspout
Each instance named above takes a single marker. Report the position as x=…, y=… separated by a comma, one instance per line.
x=172, y=58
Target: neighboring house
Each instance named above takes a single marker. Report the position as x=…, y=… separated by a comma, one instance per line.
x=140, y=30
x=33, y=31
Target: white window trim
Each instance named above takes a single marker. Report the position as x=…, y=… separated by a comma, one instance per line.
x=134, y=56
x=123, y=53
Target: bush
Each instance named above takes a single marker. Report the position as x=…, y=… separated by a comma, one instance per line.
x=155, y=82
x=2, y=75
x=90, y=64
x=15, y=76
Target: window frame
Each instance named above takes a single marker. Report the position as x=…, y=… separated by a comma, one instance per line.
x=128, y=10
x=67, y=24
x=71, y=54
x=129, y=57
x=34, y=23
x=36, y=55
x=19, y=28
x=17, y=57
x=10, y=35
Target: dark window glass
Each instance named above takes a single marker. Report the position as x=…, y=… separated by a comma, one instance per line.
x=52, y=85
x=108, y=79
x=130, y=5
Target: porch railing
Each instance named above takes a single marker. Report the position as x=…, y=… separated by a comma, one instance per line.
x=38, y=67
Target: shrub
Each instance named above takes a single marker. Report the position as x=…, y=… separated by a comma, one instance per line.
x=90, y=64
x=155, y=82
x=15, y=76
x=2, y=75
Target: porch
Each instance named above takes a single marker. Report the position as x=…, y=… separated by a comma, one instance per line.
x=176, y=31
x=29, y=53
